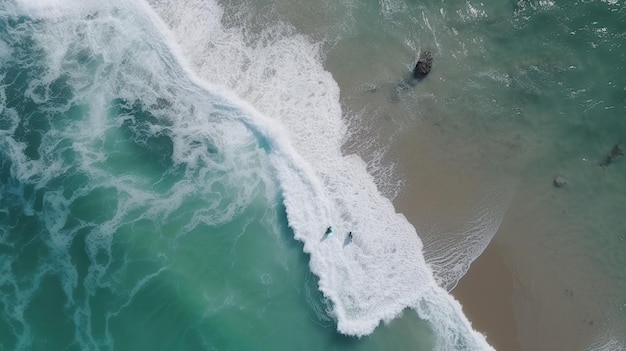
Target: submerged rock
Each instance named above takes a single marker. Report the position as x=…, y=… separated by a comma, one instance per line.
x=616, y=153
x=424, y=65
x=559, y=182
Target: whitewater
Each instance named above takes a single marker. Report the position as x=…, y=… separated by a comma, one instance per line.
x=273, y=82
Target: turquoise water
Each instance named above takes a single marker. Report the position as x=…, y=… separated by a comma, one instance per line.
x=145, y=208
x=168, y=170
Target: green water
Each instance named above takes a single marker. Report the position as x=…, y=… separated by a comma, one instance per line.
x=124, y=227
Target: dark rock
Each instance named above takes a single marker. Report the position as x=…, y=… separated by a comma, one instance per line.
x=559, y=182
x=616, y=153
x=424, y=65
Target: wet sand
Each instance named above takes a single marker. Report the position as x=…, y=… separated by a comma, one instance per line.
x=557, y=284
x=486, y=293
x=440, y=196
x=530, y=288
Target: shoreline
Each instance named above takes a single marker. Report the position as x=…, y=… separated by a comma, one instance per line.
x=486, y=294
x=440, y=195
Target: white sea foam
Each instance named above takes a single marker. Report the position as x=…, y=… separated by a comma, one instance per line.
x=120, y=64
x=606, y=343
x=276, y=82
x=5, y=50
x=382, y=271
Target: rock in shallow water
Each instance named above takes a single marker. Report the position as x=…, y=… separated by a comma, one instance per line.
x=424, y=65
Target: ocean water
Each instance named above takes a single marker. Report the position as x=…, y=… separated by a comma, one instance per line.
x=169, y=169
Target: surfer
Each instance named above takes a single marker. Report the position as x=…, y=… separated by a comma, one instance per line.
x=327, y=234
x=329, y=231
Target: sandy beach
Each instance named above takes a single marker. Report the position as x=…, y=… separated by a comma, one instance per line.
x=528, y=288
x=440, y=195
x=486, y=293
